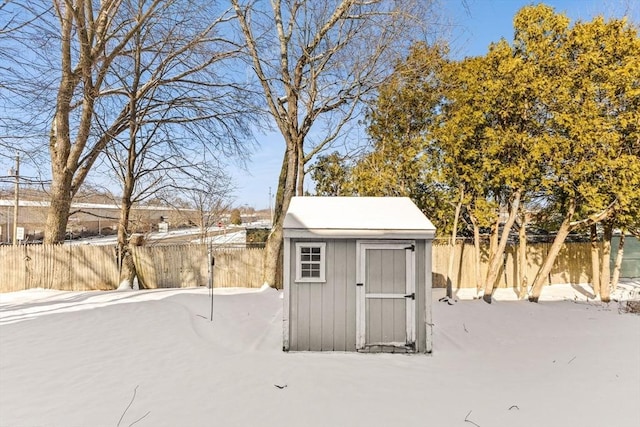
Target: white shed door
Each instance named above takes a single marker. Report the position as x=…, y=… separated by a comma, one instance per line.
x=386, y=296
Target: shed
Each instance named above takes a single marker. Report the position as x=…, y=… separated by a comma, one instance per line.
x=357, y=275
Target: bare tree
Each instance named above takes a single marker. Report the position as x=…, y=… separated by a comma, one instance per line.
x=6, y=26
x=208, y=194
x=315, y=62
x=79, y=52
x=15, y=17
x=144, y=166
x=178, y=109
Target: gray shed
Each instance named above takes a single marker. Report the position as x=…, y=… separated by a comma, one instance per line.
x=357, y=275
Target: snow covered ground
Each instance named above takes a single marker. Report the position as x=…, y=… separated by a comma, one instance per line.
x=153, y=358
x=154, y=236
x=230, y=237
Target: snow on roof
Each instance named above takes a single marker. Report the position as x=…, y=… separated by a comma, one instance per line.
x=357, y=216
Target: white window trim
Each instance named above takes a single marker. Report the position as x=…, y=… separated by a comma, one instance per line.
x=323, y=262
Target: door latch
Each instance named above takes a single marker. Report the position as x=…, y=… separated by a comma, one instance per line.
x=412, y=296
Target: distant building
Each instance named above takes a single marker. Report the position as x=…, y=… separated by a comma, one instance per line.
x=87, y=219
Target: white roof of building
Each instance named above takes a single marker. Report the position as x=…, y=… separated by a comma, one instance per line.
x=74, y=205
x=396, y=217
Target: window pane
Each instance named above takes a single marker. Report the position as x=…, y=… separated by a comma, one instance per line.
x=310, y=270
x=305, y=257
x=315, y=258
x=315, y=250
x=305, y=250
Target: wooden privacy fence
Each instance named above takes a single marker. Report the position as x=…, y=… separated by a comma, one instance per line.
x=238, y=267
x=573, y=264
x=188, y=266
x=84, y=267
x=182, y=266
x=68, y=268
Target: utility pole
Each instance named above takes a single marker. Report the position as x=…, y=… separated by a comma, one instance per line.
x=16, y=200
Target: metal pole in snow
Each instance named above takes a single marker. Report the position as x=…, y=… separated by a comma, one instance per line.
x=212, y=262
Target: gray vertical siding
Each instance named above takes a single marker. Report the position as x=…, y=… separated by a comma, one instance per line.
x=322, y=315
x=328, y=301
x=316, y=313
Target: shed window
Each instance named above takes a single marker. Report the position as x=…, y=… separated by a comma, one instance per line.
x=310, y=262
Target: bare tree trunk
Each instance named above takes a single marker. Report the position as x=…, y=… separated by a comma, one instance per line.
x=493, y=245
x=202, y=220
x=453, y=245
x=494, y=265
x=300, y=166
x=123, y=221
x=286, y=190
x=595, y=259
x=476, y=250
x=618, y=264
x=203, y=228
x=605, y=273
x=57, y=215
x=59, y=141
x=522, y=256
x=544, y=271
x=128, y=271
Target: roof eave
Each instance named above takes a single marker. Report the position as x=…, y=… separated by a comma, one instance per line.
x=293, y=233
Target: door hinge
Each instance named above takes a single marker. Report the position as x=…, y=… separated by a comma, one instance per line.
x=412, y=248
x=412, y=296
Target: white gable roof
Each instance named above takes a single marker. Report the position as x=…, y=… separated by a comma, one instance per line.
x=396, y=217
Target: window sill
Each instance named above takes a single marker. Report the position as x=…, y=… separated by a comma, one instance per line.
x=319, y=281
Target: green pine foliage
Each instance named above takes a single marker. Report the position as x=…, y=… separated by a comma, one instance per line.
x=553, y=116
x=329, y=174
